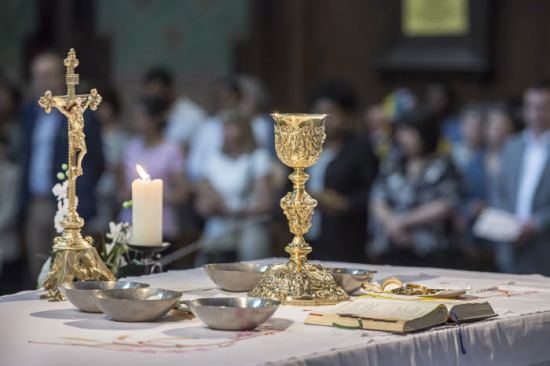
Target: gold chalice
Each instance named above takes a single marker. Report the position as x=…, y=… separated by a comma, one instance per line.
x=299, y=141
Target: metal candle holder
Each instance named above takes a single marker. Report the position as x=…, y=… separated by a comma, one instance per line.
x=146, y=258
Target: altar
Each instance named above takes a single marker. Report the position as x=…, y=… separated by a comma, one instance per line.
x=38, y=332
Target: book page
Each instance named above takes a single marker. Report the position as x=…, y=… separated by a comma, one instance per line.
x=387, y=309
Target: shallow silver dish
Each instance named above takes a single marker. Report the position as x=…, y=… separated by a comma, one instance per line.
x=136, y=305
x=235, y=277
x=351, y=279
x=81, y=294
x=233, y=313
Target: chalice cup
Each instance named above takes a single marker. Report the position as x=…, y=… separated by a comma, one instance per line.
x=299, y=142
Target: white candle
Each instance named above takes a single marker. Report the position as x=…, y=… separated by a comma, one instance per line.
x=146, y=210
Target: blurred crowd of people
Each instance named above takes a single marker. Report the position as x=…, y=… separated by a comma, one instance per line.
x=399, y=182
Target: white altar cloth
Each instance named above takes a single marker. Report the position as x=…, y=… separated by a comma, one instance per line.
x=38, y=332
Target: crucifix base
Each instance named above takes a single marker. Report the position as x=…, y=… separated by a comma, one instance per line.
x=70, y=263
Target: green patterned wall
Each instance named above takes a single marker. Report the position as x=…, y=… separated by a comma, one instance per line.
x=189, y=36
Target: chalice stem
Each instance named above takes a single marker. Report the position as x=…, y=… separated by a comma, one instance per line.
x=298, y=142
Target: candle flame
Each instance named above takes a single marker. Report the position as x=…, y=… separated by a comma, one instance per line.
x=142, y=173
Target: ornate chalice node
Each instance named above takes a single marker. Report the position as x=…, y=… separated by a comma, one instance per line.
x=298, y=141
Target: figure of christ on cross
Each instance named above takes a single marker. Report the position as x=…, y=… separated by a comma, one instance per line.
x=77, y=138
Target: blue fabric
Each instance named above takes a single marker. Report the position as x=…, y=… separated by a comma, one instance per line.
x=450, y=129
x=476, y=179
x=43, y=142
x=93, y=165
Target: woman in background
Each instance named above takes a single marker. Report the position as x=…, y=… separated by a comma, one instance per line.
x=162, y=159
x=500, y=127
x=470, y=147
x=115, y=141
x=341, y=179
x=480, y=180
x=482, y=170
x=234, y=196
x=414, y=197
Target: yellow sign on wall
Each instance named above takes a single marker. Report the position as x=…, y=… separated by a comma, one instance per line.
x=434, y=18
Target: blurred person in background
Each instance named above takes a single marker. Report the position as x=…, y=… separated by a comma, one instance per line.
x=482, y=171
x=44, y=150
x=399, y=102
x=161, y=158
x=341, y=180
x=227, y=95
x=479, y=179
x=414, y=197
x=184, y=117
x=10, y=251
x=523, y=187
x=10, y=99
x=501, y=125
x=439, y=99
x=255, y=103
x=234, y=195
x=379, y=130
x=472, y=126
x=115, y=141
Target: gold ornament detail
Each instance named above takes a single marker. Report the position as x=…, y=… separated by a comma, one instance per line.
x=299, y=141
x=74, y=257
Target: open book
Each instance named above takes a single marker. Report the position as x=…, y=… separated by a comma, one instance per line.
x=400, y=316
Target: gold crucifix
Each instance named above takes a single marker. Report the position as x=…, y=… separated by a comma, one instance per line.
x=74, y=257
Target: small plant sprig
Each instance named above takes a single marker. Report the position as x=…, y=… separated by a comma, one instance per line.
x=60, y=190
x=115, y=254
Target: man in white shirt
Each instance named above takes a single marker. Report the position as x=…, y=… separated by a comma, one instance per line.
x=185, y=117
x=227, y=95
x=523, y=188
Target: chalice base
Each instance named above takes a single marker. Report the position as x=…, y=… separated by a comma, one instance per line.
x=71, y=265
x=311, y=286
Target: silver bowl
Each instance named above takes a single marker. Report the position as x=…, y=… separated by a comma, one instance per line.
x=233, y=313
x=81, y=294
x=136, y=305
x=235, y=277
x=351, y=279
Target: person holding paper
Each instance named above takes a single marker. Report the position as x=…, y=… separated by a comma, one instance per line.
x=482, y=172
x=523, y=187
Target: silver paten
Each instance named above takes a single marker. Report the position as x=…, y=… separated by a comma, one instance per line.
x=81, y=293
x=136, y=304
x=235, y=277
x=233, y=313
x=351, y=279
